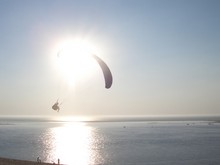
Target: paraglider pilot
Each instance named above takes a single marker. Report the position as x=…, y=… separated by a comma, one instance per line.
x=56, y=107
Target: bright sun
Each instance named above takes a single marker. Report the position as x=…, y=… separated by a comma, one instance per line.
x=75, y=60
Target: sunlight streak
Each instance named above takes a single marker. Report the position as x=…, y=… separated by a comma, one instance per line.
x=72, y=144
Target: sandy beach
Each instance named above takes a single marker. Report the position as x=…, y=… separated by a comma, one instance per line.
x=6, y=161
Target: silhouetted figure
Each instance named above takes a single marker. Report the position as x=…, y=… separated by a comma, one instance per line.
x=38, y=160
x=56, y=107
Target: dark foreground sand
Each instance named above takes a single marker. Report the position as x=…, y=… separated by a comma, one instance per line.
x=6, y=161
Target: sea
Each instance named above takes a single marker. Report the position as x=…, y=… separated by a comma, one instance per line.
x=120, y=141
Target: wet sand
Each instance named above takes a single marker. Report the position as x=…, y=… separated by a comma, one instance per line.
x=6, y=161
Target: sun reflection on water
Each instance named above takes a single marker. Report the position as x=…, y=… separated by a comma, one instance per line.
x=72, y=144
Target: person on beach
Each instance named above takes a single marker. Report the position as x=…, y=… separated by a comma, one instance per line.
x=38, y=160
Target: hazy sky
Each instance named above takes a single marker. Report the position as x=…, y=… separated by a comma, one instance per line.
x=164, y=56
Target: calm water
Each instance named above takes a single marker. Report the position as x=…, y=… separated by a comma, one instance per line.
x=121, y=143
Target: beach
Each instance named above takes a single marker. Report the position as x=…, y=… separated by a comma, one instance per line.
x=7, y=161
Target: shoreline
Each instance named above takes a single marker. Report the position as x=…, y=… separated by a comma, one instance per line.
x=8, y=161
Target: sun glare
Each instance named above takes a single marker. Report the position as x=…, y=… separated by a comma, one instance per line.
x=75, y=60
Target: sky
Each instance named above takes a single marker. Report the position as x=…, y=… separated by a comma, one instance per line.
x=164, y=56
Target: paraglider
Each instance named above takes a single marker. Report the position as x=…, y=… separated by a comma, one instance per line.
x=105, y=70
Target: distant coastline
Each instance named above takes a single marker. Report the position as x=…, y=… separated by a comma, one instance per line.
x=5, y=120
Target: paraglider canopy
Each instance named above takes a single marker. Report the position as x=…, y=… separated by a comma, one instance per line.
x=106, y=71
x=76, y=62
